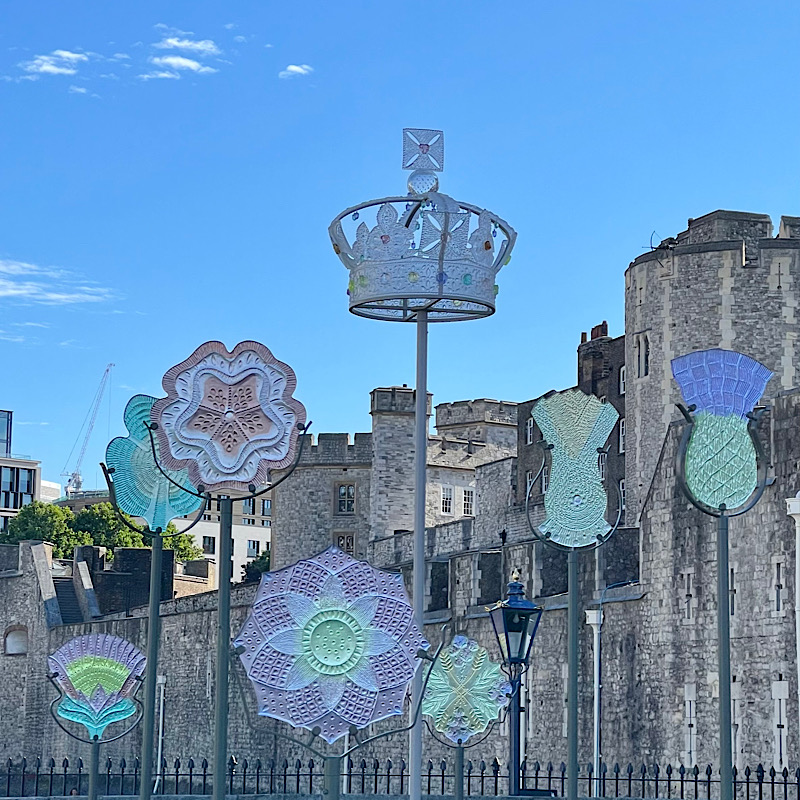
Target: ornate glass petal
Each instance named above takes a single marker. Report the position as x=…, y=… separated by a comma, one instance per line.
x=724, y=386
x=98, y=674
x=466, y=690
x=321, y=665
x=576, y=425
x=229, y=417
x=141, y=489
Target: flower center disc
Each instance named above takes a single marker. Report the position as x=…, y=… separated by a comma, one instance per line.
x=333, y=642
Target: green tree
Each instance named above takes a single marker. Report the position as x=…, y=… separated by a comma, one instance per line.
x=183, y=545
x=253, y=571
x=105, y=528
x=48, y=523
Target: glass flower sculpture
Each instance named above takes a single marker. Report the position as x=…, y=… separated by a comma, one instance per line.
x=228, y=417
x=724, y=386
x=99, y=675
x=141, y=489
x=576, y=425
x=466, y=690
x=330, y=642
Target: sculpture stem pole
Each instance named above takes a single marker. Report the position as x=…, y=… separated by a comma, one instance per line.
x=514, y=722
x=572, y=675
x=420, y=464
x=94, y=768
x=724, y=647
x=153, y=637
x=458, y=777
x=333, y=777
x=223, y=648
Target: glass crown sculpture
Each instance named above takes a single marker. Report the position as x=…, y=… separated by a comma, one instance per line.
x=466, y=690
x=425, y=251
x=724, y=386
x=576, y=425
x=141, y=490
x=98, y=675
x=330, y=642
x=228, y=417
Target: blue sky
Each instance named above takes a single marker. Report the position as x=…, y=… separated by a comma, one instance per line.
x=170, y=169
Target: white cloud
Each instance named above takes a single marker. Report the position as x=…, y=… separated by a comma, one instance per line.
x=268, y=46
x=181, y=63
x=229, y=26
x=29, y=325
x=120, y=56
x=28, y=283
x=7, y=337
x=205, y=47
x=158, y=75
x=59, y=62
x=77, y=90
x=17, y=422
x=295, y=71
x=239, y=39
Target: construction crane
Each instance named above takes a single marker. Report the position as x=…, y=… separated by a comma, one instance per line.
x=75, y=482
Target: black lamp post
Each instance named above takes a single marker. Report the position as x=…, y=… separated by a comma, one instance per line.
x=515, y=622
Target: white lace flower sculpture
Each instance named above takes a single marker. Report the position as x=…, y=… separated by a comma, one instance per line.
x=466, y=690
x=330, y=642
x=228, y=417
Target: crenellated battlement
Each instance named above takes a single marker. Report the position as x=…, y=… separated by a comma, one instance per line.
x=336, y=448
x=470, y=412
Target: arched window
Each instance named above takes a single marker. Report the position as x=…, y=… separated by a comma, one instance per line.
x=15, y=642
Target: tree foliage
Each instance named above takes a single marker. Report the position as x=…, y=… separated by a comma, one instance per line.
x=97, y=524
x=253, y=571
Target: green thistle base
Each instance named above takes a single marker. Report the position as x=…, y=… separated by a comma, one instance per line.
x=721, y=463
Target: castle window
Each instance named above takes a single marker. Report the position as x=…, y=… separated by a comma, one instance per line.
x=249, y=505
x=209, y=545
x=622, y=379
x=690, y=723
x=447, y=499
x=253, y=548
x=622, y=434
x=602, y=460
x=688, y=601
x=469, y=502
x=780, y=695
x=266, y=508
x=15, y=642
x=646, y=355
x=528, y=482
x=346, y=498
x=622, y=495
x=346, y=542
x=779, y=591
x=529, y=431
x=545, y=478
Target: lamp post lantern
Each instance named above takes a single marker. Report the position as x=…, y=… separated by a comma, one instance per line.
x=426, y=258
x=515, y=621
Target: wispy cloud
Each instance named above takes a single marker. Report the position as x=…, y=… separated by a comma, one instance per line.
x=159, y=74
x=240, y=39
x=295, y=71
x=203, y=46
x=29, y=325
x=182, y=63
x=28, y=283
x=77, y=90
x=9, y=337
x=59, y=62
x=229, y=26
x=17, y=422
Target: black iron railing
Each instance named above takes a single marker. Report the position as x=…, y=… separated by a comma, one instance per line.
x=51, y=778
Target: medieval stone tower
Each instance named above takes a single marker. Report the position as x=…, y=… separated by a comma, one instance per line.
x=724, y=282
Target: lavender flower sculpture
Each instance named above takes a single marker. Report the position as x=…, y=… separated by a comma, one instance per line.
x=724, y=386
x=330, y=642
x=98, y=675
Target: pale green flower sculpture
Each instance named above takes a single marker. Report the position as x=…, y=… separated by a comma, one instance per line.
x=576, y=425
x=466, y=690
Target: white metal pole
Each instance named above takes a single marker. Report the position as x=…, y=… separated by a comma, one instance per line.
x=793, y=510
x=594, y=617
x=420, y=450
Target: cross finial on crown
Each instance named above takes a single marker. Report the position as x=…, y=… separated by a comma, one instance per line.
x=423, y=149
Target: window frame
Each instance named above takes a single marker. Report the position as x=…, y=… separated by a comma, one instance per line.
x=529, y=430
x=338, y=500
x=447, y=495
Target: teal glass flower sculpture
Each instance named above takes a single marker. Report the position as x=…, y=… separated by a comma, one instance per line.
x=466, y=690
x=98, y=675
x=330, y=642
x=142, y=491
x=724, y=386
x=576, y=425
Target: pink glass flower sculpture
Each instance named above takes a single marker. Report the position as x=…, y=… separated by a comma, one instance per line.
x=228, y=418
x=330, y=642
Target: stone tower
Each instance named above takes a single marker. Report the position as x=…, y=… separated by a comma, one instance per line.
x=724, y=282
